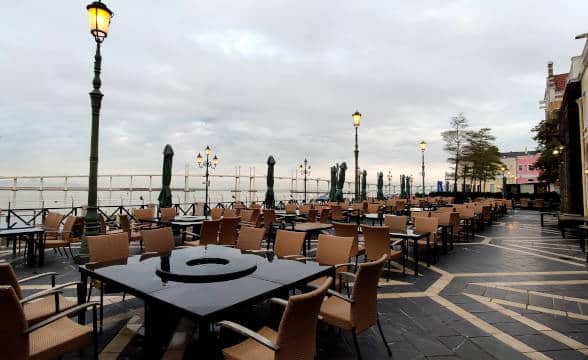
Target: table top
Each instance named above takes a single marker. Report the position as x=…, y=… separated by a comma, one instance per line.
x=312, y=226
x=375, y=216
x=18, y=231
x=190, y=218
x=210, y=299
x=409, y=235
x=185, y=223
x=284, y=213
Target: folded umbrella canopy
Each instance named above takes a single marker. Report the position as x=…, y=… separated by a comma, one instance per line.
x=165, y=196
x=269, y=194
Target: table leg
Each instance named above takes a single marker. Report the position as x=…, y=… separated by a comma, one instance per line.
x=451, y=239
x=415, y=258
x=444, y=239
x=82, y=289
x=30, y=256
x=428, y=250
x=541, y=220
x=404, y=255
x=40, y=239
x=13, y=244
x=159, y=325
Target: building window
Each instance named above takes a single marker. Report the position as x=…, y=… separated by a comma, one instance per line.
x=531, y=167
x=520, y=167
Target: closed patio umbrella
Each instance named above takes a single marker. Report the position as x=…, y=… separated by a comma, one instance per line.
x=380, y=195
x=341, y=181
x=333, y=191
x=269, y=193
x=165, y=196
x=364, y=185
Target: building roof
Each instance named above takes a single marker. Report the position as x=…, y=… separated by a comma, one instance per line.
x=560, y=81
x=513, y=154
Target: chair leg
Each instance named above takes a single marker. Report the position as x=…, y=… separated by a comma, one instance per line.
x=71, y=252
x=101, y=306
x=65, y=252
x=388, y=277
x=383, y=338
x=357, y=352
x=124, y=295
x=59, y=251
x=90, y=292
x=95, y=333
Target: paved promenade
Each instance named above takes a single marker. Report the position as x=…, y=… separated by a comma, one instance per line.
x=518, y=291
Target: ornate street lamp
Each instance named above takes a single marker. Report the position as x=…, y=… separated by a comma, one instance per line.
x=423, y=147
x=99, y=16
x=206, y=164
x=356, y=116
x=304, y=169
x=504, y=182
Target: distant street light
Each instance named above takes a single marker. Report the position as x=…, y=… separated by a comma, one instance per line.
x=208, y=164
x=304, y=170
x=423, y=147
x=389, y=183
x=99, y=16
x=356, y=116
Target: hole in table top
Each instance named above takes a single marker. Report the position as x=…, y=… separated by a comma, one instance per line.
x=207, y=261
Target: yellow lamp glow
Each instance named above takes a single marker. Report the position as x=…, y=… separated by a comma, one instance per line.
x=99, y=16
x=207, y=150
x=215, y=160
x=423, y=145
x=356, y=118
x=199, y=159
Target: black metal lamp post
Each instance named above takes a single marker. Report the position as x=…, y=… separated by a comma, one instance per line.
x=208, y=164
x=99, y=16
x=503, y=182
x=356, y=116
x=304, y=170
x=389, y=184
x=423, y=147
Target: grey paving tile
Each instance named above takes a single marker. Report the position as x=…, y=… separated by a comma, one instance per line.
x=565, y=355
x=516, y=328
x=565, y=305
x=541, y=342
x=466, y=329
x=497, y=349
x=521, y=298
x=541, y=301
x=493, y=317
x=428, y=346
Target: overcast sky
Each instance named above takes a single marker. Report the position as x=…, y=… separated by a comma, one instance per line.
x=254, y=78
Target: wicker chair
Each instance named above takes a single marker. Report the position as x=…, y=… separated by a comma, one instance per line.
x=133, y=230
x=377, y=243
x=47, y=302
x=311, y=215
x=250, y=238
x=288, y=243
x=335, y=251
x=430, y=225
x=167, y=214
x=291, y=208
x=228, y=230
x=144, y=216
x=64, y=238
x=360, y=312
x=325, y=216
x=208, y=234
x=48, y=339
x=104, y=249
x=296, y=335
x=350, y=230
x=158, y=240
x=337, y=214
x=216, y=213
x=231, y=212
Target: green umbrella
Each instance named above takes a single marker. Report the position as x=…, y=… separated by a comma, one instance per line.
x=270, y=201
x=165, y=196
x=402, y=186
x=341, y=181
x=380, y=195
x=333, y=191
x=363, y=185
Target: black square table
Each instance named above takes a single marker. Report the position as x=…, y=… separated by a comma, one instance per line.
x=205, y=299
x=415, y=237
x=35, y=242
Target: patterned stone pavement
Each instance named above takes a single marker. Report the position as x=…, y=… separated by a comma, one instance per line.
x=518, y=291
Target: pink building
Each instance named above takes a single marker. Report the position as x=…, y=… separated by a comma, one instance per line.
x=525, y=169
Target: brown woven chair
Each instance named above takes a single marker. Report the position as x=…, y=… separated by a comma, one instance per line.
x=337, y=214
x=144, y=216
x=133, y=233
x=64, y=238
x=231, y=212
x=296, y=335
x=48, y=339
x=430, y=225
x=325, y=216
x=288, y=244
x=360, y=312
x=167, y=214
x=250, y=238
x=291, y=208
x=377, y=243
x=228, y=231
x=350, y=230
x=311, y=215
x=158, y=240
x=47, y=302
x=335, y=251
x=104, y=249
x=208, y=234
x=216, y=213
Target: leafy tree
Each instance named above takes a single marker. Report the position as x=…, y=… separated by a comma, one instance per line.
x=454, y=141
x=546, y=135
x=482, y=156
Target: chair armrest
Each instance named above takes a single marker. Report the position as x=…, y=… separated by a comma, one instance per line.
x=44, y=293
x=181, y=247
x=331, y=292
x=73, y=310
x=249, y=333
x=191, y=234
x=291, y=257
x=341, y=265
x=278, y=301
x=397, y=242
x=53, y=274
x=348, y=274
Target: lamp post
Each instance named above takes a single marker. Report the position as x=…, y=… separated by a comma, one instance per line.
x=208, y=164
x=504, y=182
x=304, y=169
x=389, y=183
x=423, y=147
x=99, y=16
x=356, y=116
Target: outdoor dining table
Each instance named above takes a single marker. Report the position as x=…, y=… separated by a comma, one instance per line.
x=35, y=242
x=415, y=237
x=183, y=222
x=204, y=283
x=310, y=228
x=446, y=233
x=375, y=217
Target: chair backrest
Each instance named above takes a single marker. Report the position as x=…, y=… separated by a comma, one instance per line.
x=373, y=208
x=104, y=248
x=377, y=241
x=255, y=216
x=125, y=224
x=444, y=218
x=255, y=206
x=291, y=208
x=325, y=214
x=424, y=224
x=269, y=217
x=288, y=243
x=311, y=215
x=305, y=208
x=143, y=214
x=466, y=212
x=231, y=212
x=246, y=214
x=396, y=223
x=158, y=240
x=348, y=230
x=8, y=277
x=15, y=344
x=250, y=238
x=228, y=230
x=337, y=213
x=68, y=227
x=297, y=330
x=216, y=213
x=209, y=232
x=333, y=250
x=52, y=220
x=539, y=203
x=445, y=209
x=167, y=214
x=364, y=310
